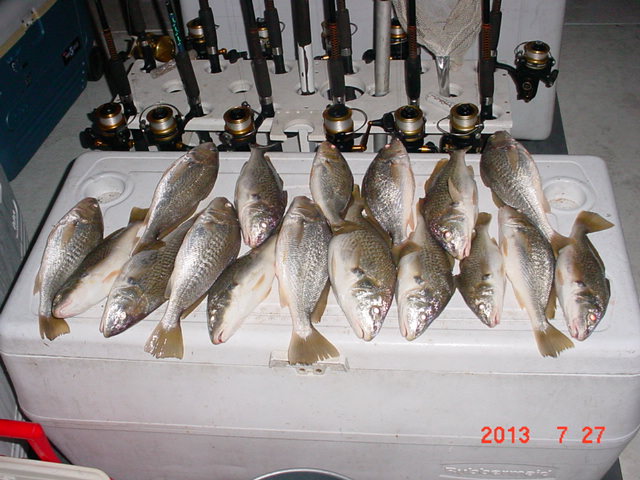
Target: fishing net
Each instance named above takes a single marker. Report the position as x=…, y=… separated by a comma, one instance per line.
x=447, y=28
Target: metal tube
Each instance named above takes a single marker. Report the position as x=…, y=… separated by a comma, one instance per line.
x=302, y=34
x=442, y=67
x=382, y=46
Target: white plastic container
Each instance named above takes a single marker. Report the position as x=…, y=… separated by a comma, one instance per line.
x=22, y=469
x=385, y=409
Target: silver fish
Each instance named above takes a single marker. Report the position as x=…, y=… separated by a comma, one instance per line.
x=140, y=287
x=331, y=182
x=583, y=290
x=77, y=233
x=508, y=169
x=362, y=271
x=259, y=198
x=208, y=247
x=301, y=268
x=388, y=189
x=183, y=185
x=529, y=264
x=451, y=204
x=425, y=283
x=92, y=280
x=239, y=290
x=482, y=278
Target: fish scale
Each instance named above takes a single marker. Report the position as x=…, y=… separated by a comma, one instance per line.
x=84, y=228
x=209, y=246
x=140, y=287
x=388, y=188
x=301, y=268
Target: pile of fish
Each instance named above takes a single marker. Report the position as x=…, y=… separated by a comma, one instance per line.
x=366, y=245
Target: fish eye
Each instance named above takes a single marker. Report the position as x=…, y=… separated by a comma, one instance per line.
x=592, y=317
x=482, y=307
x=423, y=317
x=447, y=234
x=263, y=224
x=375, y=311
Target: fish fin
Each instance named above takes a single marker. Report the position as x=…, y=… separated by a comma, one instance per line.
x=454, y=193
x=306, y=351
x=68, y=232
x=52, y=327
x=436, y=170
x=112, y=276
x=452, y=260
x=195, y=304
x=550, y=310
x=316, y=315
x=138, y=214
x=356, y=196
x=470, y=170
x=512, y=156
x=558, y=242
x=165, y=342
x=521, y=301
x=37, y=284
x=551, y=341
x=590, y=222
x=282, y=293
x=499, y=203
x=168, y=288
x=484, y=218
x=142, y=246
x=405, y=248
x=346, y=227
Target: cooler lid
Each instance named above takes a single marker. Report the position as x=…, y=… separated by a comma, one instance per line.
x=23, y=469
x=455, y=342
x=16, y=16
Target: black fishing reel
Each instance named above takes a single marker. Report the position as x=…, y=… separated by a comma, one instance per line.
x=163, y=127
x=239, y=129
x=406, y=123
x=109, y=130
x=338, y=126
x=534, y=64
x=465, y=129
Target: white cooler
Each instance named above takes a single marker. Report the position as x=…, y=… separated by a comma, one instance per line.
x=388, y=409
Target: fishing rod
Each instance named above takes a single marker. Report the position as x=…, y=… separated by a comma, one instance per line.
x=210, y=35
x=139, y=29
x=302, y=35
x=412, y=65
x=272, y=20
x=116, y=65
x=187, y=75
x=343, y=23
x=489, y=36
x=335, y=64
x=382, y=15
x=258, y=62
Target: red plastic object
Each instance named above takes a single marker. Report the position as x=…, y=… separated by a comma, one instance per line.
x=32, y=433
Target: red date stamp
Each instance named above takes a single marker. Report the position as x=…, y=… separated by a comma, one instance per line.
x=513, y=435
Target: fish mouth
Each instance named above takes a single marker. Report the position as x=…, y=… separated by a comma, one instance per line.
x=219, y=338
x=493, y=319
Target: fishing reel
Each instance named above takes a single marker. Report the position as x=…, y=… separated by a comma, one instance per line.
x=162, y=46
x=109, y=130
x=197, y=42
x=196, y=39
x=534, y=64
x=399, y=44
x=163, y=127
x=263, y=36
x=239, y=129
x=465, y=128
x=407, y=123
x=338, y=126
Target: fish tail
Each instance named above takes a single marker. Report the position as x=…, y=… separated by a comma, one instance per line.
x=558, y=242
x=52, y=327
x=591, y=222
x=309, y=350
x=551, y=341
x=484, y=218
x=165, y=342
x=147, y=245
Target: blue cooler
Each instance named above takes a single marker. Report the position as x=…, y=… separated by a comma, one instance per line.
x=44, y=51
